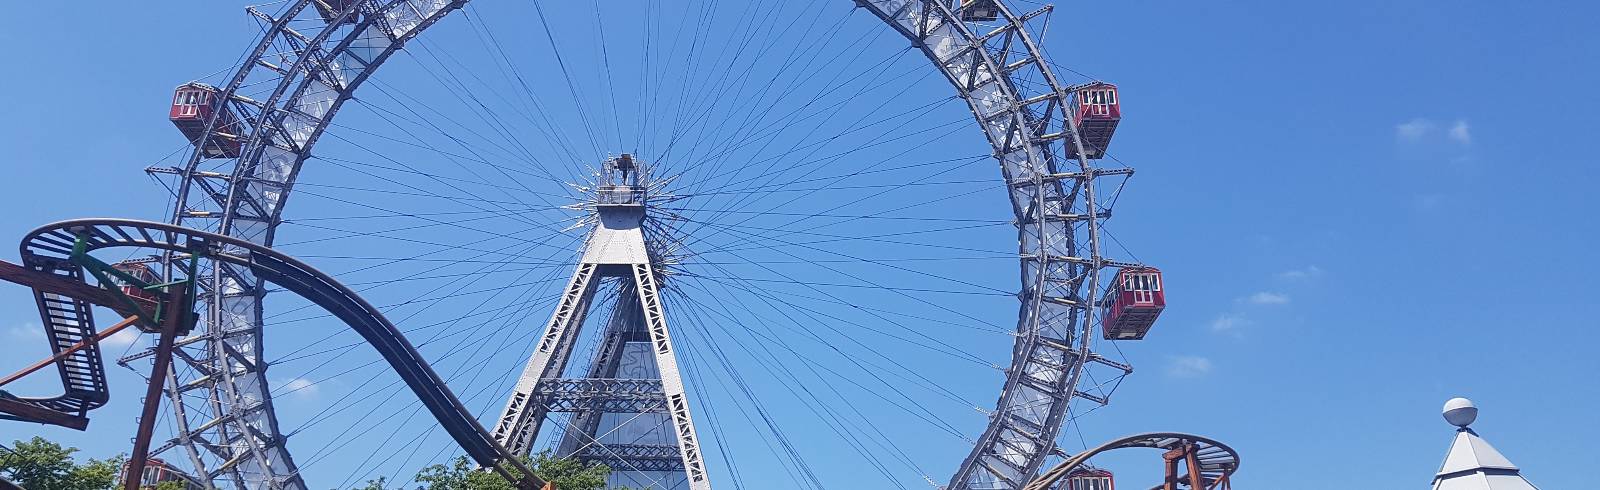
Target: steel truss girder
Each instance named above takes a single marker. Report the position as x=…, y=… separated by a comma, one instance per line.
x=634, y=457
x=600, y=395
x=624, y=326
x=1028, y=131
x=655, y=319
x=525, y=410
x=298, y=278
x=519, y=422
x=321, y=69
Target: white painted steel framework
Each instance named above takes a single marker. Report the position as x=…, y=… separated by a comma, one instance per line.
x=997, y=67
x=1028, y=125
x=236, y=438
x=615, y=247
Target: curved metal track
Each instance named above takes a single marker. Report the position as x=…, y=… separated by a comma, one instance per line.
x=53, y=243
x=1216, y=460
x=66, y=323
x=1000, y=72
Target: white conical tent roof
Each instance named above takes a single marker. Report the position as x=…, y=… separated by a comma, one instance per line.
x=1473, y=464
x=1471, y=452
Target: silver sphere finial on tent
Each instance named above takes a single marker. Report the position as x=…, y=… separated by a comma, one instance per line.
x=1460, y=412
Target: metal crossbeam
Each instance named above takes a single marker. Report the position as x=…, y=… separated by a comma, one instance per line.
x=602, y=395
x=634, y=457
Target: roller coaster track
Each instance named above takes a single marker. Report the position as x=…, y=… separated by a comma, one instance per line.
x=70, y=319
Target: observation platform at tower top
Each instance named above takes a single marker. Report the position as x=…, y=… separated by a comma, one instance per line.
x=620, y=183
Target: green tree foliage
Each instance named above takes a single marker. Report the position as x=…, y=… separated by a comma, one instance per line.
x=378, y=484
x=39, y=464
x=565, y=473
x=569, y=474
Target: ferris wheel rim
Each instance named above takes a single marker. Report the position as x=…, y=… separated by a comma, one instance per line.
x=372, y=13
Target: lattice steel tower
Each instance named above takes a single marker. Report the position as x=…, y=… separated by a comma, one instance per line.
x=629, y=408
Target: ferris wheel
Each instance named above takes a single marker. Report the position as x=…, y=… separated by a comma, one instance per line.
x=789, y=189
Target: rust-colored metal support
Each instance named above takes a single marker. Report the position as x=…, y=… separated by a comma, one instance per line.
x=152, y=394
x=54, y=284
x=1171, y=458
x=34, y=413
x=1190, y=455
x=68, y=351
x=49, y=283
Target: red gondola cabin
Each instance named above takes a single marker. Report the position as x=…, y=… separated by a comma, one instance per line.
x=1090, y=479
x=1097, y=112
x=1133, y=304
x=157, y=472
x=979, y=10
x=142, y=272
x=192, y=104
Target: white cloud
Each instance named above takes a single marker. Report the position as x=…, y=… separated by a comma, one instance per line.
x=1420, y=129
x=1428, y=202
x=1188, y=367
x=1267, y=298
x=1307, y=272
x=25, y=331
x=1228, y=323
x=299, y=387
x=1460, y=132
x=121, y=339
x=1414, y=129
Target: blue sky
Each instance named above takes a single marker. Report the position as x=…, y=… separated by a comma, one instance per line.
x=1362, y=211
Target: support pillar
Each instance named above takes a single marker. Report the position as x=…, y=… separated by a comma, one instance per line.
x=634, y=376
x=174, y=317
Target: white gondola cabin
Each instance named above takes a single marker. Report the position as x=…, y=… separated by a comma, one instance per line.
x=1132, y=304
x=192, y=104
x=1096, y=110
